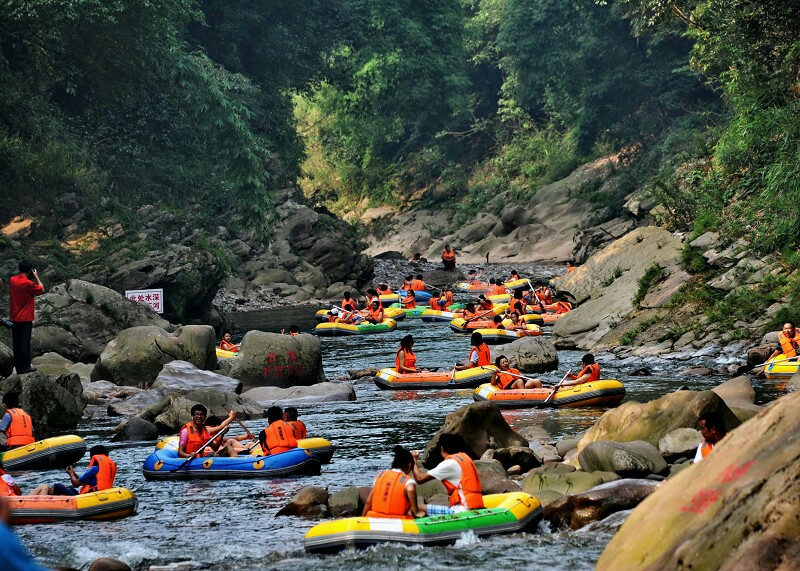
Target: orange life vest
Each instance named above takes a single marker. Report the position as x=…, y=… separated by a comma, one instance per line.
x=225, y=346
x=562, y=307
x=293, y=334
x=438, y=304
x=789, y=347
x=546, y=295
x=470, y=483
x=504, y=380
x=418, y=285
x=382, y=291
x=298, y=429
x=409, y=301
x=706, y=448
x=593, y=370
x=409, y=360
x=20, y=431
x=484, y=354
x=448, y=295
x=105, y=475
x=449, y=256
x=517, y=305
x=486, y=305
x=376, y=314
x=196, y=439
x=389, y=498
x=279, y=437
x=5, y=489
x=349, y=304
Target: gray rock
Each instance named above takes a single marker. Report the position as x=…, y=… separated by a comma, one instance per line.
x=270, y=359
x=136, y=428
x=628, y=459
x=705, y=241
x=135, y=404
x=6, y=361
x=52, y=364
x=183, y=377
x=565, y=445
x=346, y=503
x=361, y=373
x=532, y=354
x=199, y=345
x=431, y=489
x=563, y=483
x=535, y=434
x=310, y=501
x=521, y=456
x=293, y=396
x=136, y=356
x=101, y=392
x=545, y=453
x=546, y=497
x=679, y=442
x=54, y=404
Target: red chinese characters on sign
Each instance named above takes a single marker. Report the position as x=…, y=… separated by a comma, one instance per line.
x=274, y=369
x=152, y=297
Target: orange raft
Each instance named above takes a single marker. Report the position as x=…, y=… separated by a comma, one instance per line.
x=498, y=336
x=461, y=325
x=114, y=503
x=598, y=393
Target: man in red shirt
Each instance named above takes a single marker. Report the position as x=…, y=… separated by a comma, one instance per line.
x=21, y=290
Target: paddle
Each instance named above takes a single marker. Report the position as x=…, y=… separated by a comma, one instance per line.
x=346, y=312
x=555, y=388
x=453, y=375
x=479, y=315
x=195, y=453
x=249, y=434
x=536, y=295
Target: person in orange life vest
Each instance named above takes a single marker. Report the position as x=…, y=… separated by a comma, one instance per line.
x=505, y=381
x=517, y=303
x=448, y=258
x=570, y=267
x=439, y=303
x=298, y=426
x=194, y=434
x=227, y=343
x=544, y=293
x=469, y=310
x=712, y=428
x=479, y=355
x=788, y=341
x=8, y=485
x=562, y=306
x=383, y=289
x=394, y=492
x=514, y=276
x=294, y=330
x=99, y=476
x=485, y=304
x=497, y=322
x=418, y=284
x=448, y=295
x=514, y=322
x=348, y=303
x=16, y=424
x=457, y=472
x=278, y=436
x=375, y=312
x=407, y=282
x=338, y=316
x=409, y=301
x=472, y=277
x=22, y=288
x=589, y=373
x=405, y=361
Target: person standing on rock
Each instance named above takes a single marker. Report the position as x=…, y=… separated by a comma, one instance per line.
x=396, y=491
x=448, y=259
x=589, y=373
x=457, y=472
x=479, y=356
x=712, y=428
x=16, y=424
x=22, y=288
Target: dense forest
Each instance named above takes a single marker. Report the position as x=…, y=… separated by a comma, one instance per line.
x=205, y=107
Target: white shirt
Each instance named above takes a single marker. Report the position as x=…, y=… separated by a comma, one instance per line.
x=699, y=454
x=449, y=470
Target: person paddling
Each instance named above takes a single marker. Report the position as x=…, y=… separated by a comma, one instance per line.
x=394, y=491
x=589, y=373
x=507, y=377
x=16, y=424
x=479, y=356
x=194, y=435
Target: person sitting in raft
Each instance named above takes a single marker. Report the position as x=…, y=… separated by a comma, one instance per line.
x=16, y=424
x=589, y=373
x=194, y=436
x=499, y=288
x=514, y=323
x=348, y=303
x=469, y=310
x=418, y=284
x=439, y=303
x=497, y=322
x=227, y=343
x=472, y=277
x=712, y=428
x=396, y=491
x=485, y=304
x=448, y=295
x=408, y=300
x=407, y=283
x=448, y=258
x=8, y=485
x=383, y=289
x=375, y=312
x=788, y=343
x=233, y=443
x=544, y=293
x=457, y=472
x=99, y=476
x=479, y=355
x=514, y=276
x=507, y=377
x=562, y=306
x=278, y=436
x=298, y=426
x=517, y=303
x=405, y=361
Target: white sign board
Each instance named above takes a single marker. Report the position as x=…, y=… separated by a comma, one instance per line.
x=152, y=297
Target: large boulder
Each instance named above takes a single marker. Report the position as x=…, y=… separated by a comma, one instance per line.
x=628, y=459
x=273, y=360
x=653, y=420
x=737, y=509
x=481, y=425
x=561, y=482
x=137, y=355
x=346, y=502
x=494, y=479
x=183, y=377
x=530, y=354
x=293, y=396
x=54, y=404
x=521, y=456
x=739, y=395
x=78, y=319
x=310, y=501
x=679, y=442
x=104, y=392
x=577, y=510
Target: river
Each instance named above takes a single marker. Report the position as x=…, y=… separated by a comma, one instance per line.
x=225, y=525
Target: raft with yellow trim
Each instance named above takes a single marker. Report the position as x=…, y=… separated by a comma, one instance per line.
x=514, y=285
x=469, y=378
x=165, y=464
x=461, y=325
x=396, y=313
x=781, y=367
x=331, y=329
x=498, y=336
x=223, y=354
x=322, y=449
x=598, y=393
x=503, y=513
x=114, y=503
x=477, y=287
x=433, y=315
x=48, y=454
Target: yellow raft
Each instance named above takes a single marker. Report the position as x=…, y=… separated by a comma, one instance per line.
x=503, y=513
x=468, y=378
x=113, y=503
x=223, y=354
x=363, y=328
x=598, y=393
x=781, y=367
x=396, y=313
x=47, y=454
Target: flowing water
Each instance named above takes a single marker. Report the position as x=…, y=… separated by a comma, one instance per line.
x=225, y=525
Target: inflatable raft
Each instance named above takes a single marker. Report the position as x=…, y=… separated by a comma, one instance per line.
x=392, y=380
x=477, y=287
x=331, y=329
x=165, y=464
x=461, y=325
x=223, y=354
x=114, y=503
x=498, y=336
x=598, y=393
x=396, y=313
x=322, y=449
x=781, y=367
x=47, y=454
x=514, y=285
x=433, y=315
x=504, y=513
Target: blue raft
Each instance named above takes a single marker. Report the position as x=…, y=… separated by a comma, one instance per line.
x=165, y=464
